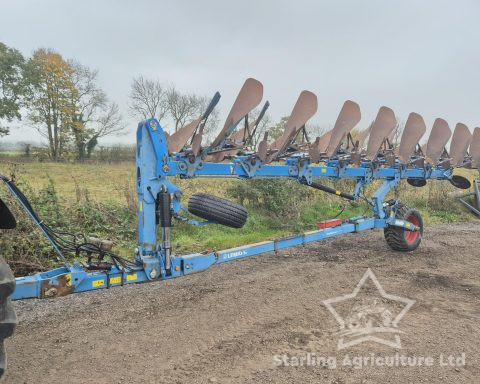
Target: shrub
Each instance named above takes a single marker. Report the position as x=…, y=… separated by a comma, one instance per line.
x=282, y=198
x=26, y=249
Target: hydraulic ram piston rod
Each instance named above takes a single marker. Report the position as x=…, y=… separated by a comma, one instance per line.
x=333, y=191
x=165, y=221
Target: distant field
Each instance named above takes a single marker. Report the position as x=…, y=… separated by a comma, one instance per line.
x=104, y=182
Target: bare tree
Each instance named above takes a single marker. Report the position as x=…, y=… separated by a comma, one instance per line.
x=315, y=130
x=183, y=107
x=148, y=99
x=94, y=116
x=110, y=122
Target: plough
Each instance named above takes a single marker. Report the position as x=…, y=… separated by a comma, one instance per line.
x=338, y=154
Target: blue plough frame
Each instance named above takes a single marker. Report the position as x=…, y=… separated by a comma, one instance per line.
x=153, y=167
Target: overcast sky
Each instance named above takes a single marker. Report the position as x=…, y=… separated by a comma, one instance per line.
x=421, y=56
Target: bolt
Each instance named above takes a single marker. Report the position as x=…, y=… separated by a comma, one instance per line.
x=166, y=168
x=153, y=273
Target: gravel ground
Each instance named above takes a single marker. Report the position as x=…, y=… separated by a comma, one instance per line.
x=227, y=324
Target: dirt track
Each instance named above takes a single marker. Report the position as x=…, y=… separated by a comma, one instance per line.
x=226, y=324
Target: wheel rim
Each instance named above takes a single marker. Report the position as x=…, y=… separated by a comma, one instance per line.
x=412, y=236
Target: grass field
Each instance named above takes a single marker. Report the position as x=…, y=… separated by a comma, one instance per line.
x=101, y=199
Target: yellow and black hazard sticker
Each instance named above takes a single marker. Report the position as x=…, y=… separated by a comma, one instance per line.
x=116, y=280
x=132, y=277
x=98, y=283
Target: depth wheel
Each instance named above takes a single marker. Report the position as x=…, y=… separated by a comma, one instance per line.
x=401, y=239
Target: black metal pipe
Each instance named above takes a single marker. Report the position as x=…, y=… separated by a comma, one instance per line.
x=470, y=207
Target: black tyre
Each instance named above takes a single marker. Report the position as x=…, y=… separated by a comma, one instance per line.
x=215, y=208
x=403, y=240
x=8, y=319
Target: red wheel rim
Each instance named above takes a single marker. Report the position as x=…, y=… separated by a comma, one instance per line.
x=412, y=236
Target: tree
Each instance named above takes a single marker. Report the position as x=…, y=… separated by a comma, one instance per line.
x=67, y=106
x=26, y=148
x=277, y=130
x=49, y=101
x=11, y=84
x=94, y=117
x=148, y=99
x=315, y=130
x=183, y=108
x=109, y=122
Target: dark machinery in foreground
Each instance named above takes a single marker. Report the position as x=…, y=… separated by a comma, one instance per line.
x=364, y=157
x=8, y=319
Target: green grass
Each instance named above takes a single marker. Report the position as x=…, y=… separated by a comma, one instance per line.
x=259, y=227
